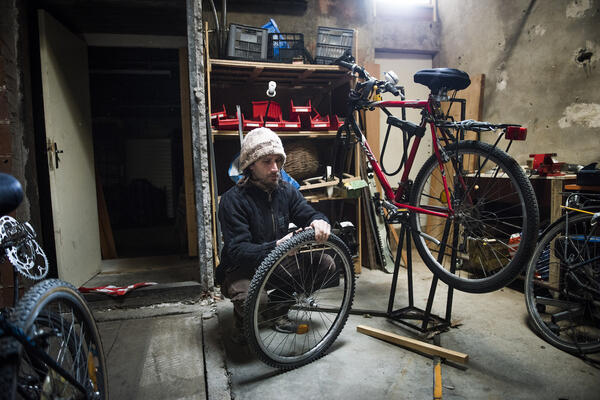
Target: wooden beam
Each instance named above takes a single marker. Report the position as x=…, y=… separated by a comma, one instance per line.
x=188, y=169
x=255, y=74
x=414, y=344
x=303, y=76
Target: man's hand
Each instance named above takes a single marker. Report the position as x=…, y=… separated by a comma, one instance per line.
x=288, y=236
x=322, y=230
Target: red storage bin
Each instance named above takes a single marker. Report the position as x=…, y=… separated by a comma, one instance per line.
x=284, y=125
x=290, y=125
x=227, y=124
x=318, y=123
x=299, y=109
x=259, y=108
x=249, y=124
x=336, y=122
x=301, y=112
x=214, y=117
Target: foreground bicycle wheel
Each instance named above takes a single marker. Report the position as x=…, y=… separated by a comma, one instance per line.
x=57, y=318
x=493, y=230
x=299, y=300
x=562, y=285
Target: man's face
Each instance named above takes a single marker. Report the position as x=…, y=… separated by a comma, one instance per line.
x=266, y=170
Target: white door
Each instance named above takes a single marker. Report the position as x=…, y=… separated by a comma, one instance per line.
x=405, y=66
x=65, y=87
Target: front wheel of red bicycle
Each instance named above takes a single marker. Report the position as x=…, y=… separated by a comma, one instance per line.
x=493, y=228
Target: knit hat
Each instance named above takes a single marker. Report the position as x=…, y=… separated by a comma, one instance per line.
x=258, y=143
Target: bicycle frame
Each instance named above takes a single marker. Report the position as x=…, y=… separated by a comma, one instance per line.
x=396, y=197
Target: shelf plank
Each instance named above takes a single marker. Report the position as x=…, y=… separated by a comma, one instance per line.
x=232, y=72
x=315, y=134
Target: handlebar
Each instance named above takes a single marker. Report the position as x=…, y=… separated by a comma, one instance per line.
x=347, y=61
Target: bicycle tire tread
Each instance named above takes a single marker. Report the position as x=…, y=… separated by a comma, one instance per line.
x=254, y=293
x=576, y=349
x=528, y=238
x=23, y=315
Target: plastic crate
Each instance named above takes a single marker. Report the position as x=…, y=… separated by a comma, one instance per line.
x=285, y=47
x=249, y=124
x=227, y=124
x=319, y=123
x=292, y=125
x=331, y=43
x=247, y=42
x=259, y=108
x=336, y=122
x=217, y=115
x=302, y=113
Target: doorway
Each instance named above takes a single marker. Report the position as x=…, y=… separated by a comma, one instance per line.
x=131, y=66
x=136, y=127
x=137, y=132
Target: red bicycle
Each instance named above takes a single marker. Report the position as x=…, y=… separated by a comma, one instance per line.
x=471, y=208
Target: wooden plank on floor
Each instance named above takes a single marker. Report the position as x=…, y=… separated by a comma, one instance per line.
x=414, y=344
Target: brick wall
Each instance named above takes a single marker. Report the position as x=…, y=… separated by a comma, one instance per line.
x=7, y=63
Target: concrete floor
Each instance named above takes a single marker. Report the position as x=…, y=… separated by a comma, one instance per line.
x=506, y=360
x=182, y=350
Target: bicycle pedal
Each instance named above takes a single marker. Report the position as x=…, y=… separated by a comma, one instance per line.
x=302, y=329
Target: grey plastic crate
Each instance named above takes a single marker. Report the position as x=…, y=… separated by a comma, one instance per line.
x=332, y=42
x=247, y=42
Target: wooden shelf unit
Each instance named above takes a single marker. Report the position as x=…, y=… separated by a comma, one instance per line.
x=232, y=82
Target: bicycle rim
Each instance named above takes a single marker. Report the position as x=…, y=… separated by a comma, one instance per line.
x=562, y=285
x=307, y=284
x=494, y=227
x=55, y=316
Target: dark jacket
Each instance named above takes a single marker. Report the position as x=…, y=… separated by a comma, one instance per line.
x=252, y=220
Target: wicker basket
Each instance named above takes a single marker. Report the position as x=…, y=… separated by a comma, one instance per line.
x=302, y=159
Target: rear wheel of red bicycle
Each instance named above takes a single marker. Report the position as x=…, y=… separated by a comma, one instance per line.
x=492, y=230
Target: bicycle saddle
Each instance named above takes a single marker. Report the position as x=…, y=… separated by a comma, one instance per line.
x=11, y=193
x=437, y=78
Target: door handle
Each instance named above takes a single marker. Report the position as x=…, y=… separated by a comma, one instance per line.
x=56, y=153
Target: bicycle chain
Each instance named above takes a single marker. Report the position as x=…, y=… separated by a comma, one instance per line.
x=25, y=254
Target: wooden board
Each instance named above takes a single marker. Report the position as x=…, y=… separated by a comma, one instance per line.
x=107, y=241
x=414, y=344
x=188, y=172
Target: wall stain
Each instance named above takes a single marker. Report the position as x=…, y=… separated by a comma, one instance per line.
x=583, y=114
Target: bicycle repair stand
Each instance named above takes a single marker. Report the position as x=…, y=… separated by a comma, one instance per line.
x=429, y=322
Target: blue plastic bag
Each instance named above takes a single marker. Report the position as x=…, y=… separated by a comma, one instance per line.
x=272, y=27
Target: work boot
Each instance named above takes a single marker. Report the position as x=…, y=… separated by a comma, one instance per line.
x=285, y=325
x=238, y=335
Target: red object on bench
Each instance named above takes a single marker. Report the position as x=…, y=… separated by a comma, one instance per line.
x=545, y=165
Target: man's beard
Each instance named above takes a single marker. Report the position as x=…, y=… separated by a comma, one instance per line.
x=267, y=183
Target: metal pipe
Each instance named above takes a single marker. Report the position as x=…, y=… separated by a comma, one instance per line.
x=224, y=25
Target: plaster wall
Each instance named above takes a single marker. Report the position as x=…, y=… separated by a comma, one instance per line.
x=376, y=28
x=540, y=59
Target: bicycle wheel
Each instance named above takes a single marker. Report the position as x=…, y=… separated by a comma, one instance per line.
x=562, y=285
x=494, y=225
x=55, y=316
x=309, y=286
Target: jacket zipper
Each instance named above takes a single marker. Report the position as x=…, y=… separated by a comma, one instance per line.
x=272, y=217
